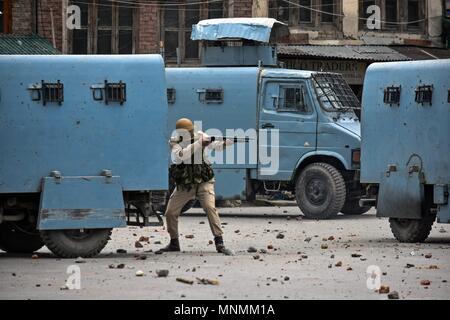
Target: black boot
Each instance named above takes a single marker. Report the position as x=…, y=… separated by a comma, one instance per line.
x=174, y=245
x=220, y=247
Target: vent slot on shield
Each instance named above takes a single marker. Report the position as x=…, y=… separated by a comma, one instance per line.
x=48, y=92
x=392, y=95
x=424, y=94
x=171, y=95
x=448, y=96
x=211, y=95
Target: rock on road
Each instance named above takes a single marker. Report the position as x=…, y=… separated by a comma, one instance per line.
x=295, y=258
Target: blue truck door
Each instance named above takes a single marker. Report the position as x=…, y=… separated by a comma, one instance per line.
x=285, y=106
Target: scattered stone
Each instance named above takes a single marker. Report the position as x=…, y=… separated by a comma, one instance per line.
x=162, y=273
x=330, y=238
x=349, y=269
x=288, y=217
x=252, y=250
x=38, y=285
x=280, y=236
x=111, y=266
x=330, y=266
x=158, y=242
x=201, y=222
x=428, y=256
x=64, y=287
x=270, y=247
x=189, y=236
x=308, y=239
x=213, y=282
x=80, y=260
x=144, y=239
x=393, y=295
x=356, y=255
x=338, y=264
x=332, y=256
x=121, y=251
x=256, y=257
x=137, y=244
x=425, y=282
x=120, y=266
x=237, y=231
x=304, y=256
x=141, y=257
x=286, y=278
x=13, y=274
x=186, y=281
x=409, y=265
x=433, y=267
x=384, y=289
x=323, y=246
x=139, y=273
x=263, y=251
x=34, y=257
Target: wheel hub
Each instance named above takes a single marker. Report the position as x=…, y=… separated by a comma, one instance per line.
x=316, y=191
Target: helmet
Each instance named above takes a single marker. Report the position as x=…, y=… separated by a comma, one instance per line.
x=185, y=124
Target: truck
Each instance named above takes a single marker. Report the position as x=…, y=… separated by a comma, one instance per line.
x=83, y=149
x=303, y=120
x=405, y=153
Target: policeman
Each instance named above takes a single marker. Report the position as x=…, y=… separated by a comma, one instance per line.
x=194, y=179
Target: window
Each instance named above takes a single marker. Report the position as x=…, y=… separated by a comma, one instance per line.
x=106, y=27
x=304, y=12
x=322, y=14
x=5, y=16
x=292, y=98
x=396, y=15
x=176, y=26
x=327, y=10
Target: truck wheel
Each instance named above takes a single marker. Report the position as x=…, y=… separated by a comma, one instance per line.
x=320, y=191
x=411, y=230
x=19, y=238
x=76, y=243
x=352, y=208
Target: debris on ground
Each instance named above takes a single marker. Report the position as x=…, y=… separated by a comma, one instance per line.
x=308, y=239
x=139, y=273
x=428, y=256
x=120, y=266
x=34, y=257
x=189, y=236
x=121, y=251
x=162, y=273
x=144, y=239
x=409, y=265
x=137, y=244
x=111, y=266
x=393, y=295
x=256, y=257
x=140, y=257
x=262, y=251
x=338, y=264
x=270, y=247
x=384, y=289
x=330, y=238
x=286, y=278
x=323, y=246
x=356, y=255
x=280, y=236
x=213, y=282
x=80, y=260
x=425, y=282
x=186, y=281
x=252, y=250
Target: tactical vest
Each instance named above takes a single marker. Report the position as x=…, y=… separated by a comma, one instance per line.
x=187, y=175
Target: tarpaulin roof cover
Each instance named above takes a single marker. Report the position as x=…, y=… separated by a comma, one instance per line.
x=257, y=29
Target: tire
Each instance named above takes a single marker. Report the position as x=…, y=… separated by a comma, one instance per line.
x=320, y=191
x=76, y=243
x=19, y=238
x=352, y=208
x=411, y=230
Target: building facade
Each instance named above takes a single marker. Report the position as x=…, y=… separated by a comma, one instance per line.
x=151, y=26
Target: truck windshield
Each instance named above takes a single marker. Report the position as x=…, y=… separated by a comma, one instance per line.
x=334, y=93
